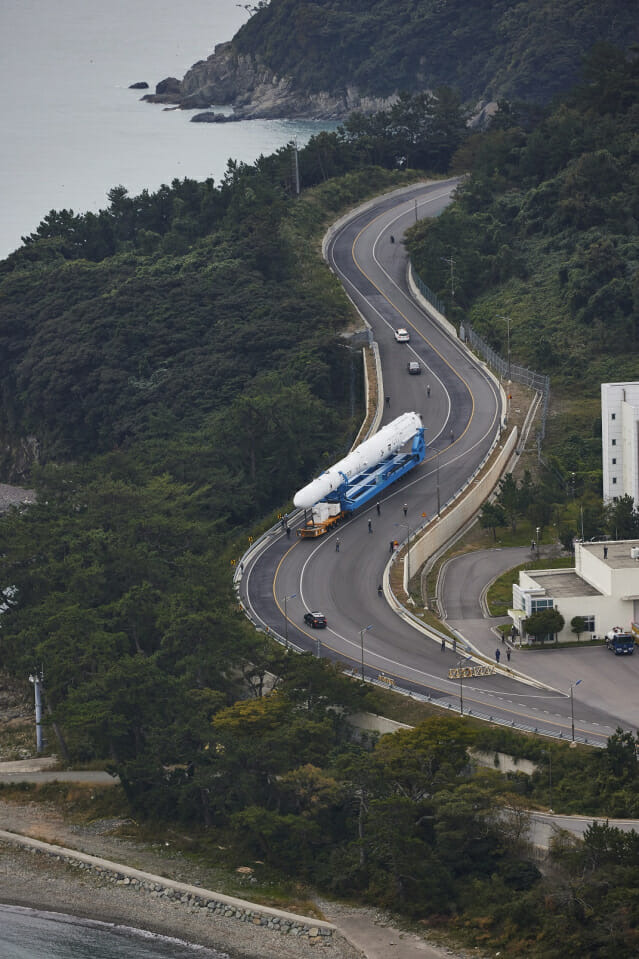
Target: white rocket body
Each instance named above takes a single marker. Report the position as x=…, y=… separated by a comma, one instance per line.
x=387, y=441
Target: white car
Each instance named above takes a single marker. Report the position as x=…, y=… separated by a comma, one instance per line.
x=402, y=335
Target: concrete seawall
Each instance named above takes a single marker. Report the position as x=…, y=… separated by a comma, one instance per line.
x=273, y=922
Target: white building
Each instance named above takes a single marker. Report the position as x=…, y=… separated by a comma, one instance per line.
x=620, y=440
x=602, y=588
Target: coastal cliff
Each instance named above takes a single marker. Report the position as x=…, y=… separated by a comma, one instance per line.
x=297, y=59
x=243, y=81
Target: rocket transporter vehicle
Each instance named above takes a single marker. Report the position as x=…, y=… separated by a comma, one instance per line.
x=362, y=475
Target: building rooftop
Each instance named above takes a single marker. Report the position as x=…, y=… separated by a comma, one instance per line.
x=618, y=553
x=562, y=582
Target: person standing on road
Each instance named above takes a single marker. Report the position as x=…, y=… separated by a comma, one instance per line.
x=337, y=545
x=392, y=546
x=388, y=401
x=428, y=390
x=405, y=507
x=443, y=645
x=497, y=654
x=370, y=526
x=508, y=654
x=378, y=507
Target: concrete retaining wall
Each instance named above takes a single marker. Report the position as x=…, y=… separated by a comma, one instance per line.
x=443, y=528
x=215, y=904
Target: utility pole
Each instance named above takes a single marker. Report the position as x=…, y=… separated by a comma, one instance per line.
x=296, y=168
x=36, y=679
x=451, y=262
x=507, y=319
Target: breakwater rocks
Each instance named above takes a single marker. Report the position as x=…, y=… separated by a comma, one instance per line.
x=269, y=925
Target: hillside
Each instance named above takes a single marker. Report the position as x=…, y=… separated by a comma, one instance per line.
x=167, y=359
x=329, y=57
x=545, y=232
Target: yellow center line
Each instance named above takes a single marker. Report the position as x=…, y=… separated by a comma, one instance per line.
x=413, y=327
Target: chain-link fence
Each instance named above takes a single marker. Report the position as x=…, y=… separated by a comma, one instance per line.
x=510, y=371
x=502, y=367
x=439, y=305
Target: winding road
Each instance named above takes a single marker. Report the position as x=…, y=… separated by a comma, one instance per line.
x=461, y=412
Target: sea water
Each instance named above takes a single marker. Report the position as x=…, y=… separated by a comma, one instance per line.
x=71, y=128
x=29, y=934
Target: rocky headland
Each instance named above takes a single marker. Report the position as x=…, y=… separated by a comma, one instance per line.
x=229, y=78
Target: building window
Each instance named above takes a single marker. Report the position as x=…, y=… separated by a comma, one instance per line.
x=537, y=604
x=613, y=416
x=589, y=622
x=614, y=480
x=614, y=442
x=614, y=461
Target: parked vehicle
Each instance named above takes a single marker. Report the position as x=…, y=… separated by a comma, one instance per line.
x=620, y=642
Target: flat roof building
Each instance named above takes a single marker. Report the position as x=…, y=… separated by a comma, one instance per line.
x=620, y=440
x=602, y=588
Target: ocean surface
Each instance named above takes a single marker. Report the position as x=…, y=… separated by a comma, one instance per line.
x=27, y=934
x=71, y=128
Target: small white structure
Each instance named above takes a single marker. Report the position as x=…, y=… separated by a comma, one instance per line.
x=602, y=588
x=620, y=440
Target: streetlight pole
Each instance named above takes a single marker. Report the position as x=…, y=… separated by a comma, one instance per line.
x=286, y=599
x=363, y=630
x=572, y=708
x=407, y=527
x=431, y=447
x=461, y=683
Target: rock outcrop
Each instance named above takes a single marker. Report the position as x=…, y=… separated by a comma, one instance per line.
x=255, y=91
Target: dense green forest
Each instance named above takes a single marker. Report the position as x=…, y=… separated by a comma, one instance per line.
x=529, y=50
x=171, y=355
x=545, y=232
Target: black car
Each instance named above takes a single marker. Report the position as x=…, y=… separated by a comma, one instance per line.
x=315, y=619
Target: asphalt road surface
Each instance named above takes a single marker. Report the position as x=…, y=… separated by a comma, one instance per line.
x=290, y=576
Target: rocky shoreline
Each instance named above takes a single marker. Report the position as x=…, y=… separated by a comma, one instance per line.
x=228, y=78
x=45, y=882
x=41, y=882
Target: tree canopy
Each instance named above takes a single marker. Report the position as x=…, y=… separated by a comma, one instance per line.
x=530, y=51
